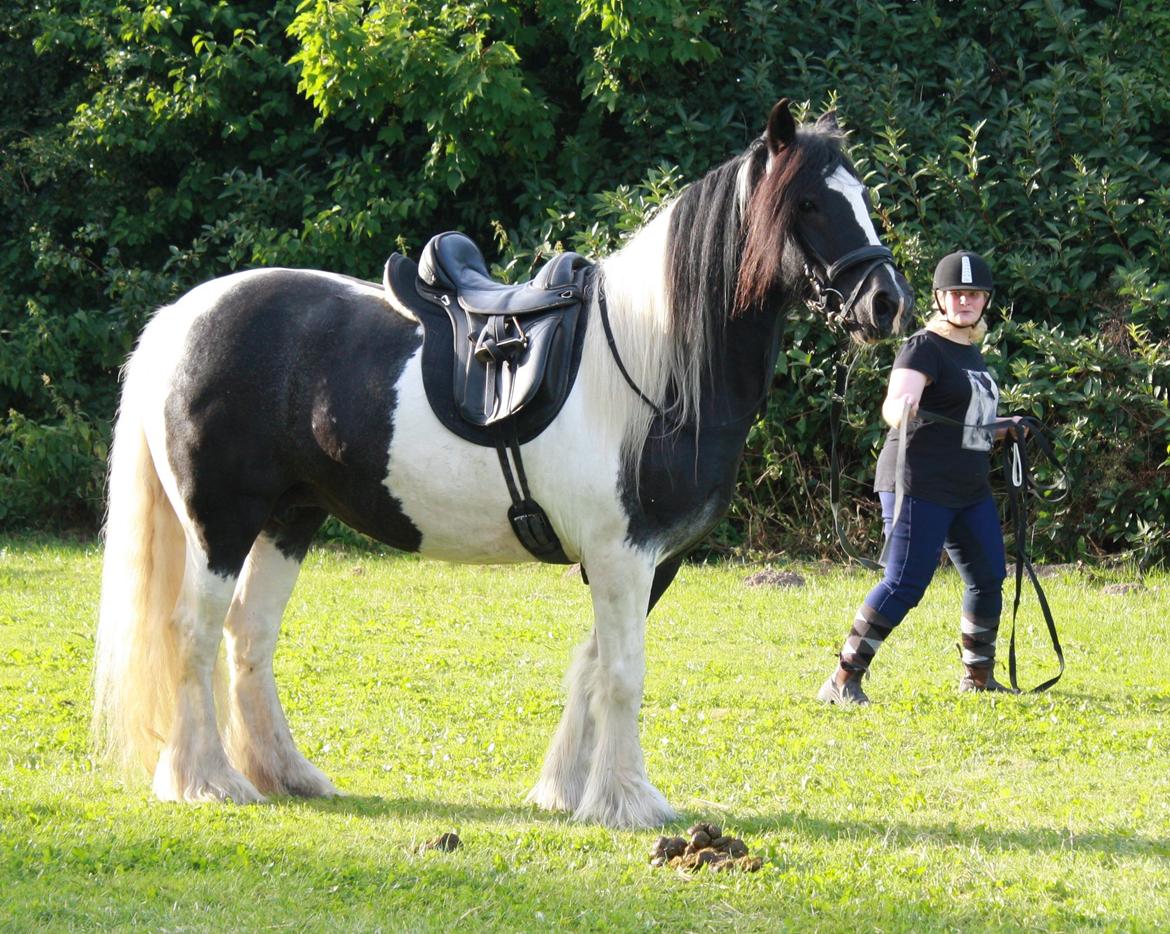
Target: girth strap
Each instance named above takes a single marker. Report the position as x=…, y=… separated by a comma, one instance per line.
x=529, y=521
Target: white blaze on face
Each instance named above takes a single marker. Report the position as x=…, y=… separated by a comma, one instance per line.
x=853, y=191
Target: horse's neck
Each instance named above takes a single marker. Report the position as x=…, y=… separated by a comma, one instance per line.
x=732, y=373
x=742, y=372
x=636, y=284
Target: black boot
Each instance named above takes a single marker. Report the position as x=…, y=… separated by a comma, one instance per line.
x=983, y=679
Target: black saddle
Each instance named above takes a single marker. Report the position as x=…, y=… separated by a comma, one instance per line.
x=498, y=360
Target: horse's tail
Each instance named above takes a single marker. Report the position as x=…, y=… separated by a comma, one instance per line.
x=136, y=663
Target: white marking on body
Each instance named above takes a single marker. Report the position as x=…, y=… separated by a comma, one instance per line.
x=453, y=491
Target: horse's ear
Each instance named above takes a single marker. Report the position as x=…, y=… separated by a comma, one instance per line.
x=828, y=121
x=781, y=127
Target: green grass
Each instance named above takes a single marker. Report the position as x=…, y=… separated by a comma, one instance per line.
x=429, y=692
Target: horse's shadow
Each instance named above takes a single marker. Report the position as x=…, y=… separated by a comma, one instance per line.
x=759, y=830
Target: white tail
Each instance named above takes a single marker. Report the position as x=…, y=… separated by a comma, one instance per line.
x=135, y=664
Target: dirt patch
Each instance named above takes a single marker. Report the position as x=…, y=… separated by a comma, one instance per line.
x=1115, y=590
x=770, y=577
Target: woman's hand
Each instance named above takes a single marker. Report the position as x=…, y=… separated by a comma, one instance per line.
x=1017, y=431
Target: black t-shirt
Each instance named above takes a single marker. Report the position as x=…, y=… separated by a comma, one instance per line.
x=945, y=464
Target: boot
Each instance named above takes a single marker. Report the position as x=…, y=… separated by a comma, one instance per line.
x=982, y=679
x=843, y=688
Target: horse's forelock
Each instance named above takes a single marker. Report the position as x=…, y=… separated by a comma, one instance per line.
x=770, y=214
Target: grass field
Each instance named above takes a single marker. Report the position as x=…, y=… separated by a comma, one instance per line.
x=429, y=692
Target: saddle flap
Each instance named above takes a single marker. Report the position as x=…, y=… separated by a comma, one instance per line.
x=527, y=358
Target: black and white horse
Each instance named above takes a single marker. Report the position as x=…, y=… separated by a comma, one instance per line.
x=261, y=402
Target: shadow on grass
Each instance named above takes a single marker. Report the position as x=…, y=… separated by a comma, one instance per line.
x=887, y=835
x=192, y=874
x=414, y=809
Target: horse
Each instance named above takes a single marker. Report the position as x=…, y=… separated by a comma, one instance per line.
x=261, y=402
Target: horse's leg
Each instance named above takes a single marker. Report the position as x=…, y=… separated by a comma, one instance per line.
x=617, y=792
x=258, y=738
x=193, y=765
x=562, y=779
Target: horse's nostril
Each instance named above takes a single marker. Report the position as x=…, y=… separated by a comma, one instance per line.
x=885, y=310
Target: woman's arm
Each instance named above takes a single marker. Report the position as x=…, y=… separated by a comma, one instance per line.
x=905, y=386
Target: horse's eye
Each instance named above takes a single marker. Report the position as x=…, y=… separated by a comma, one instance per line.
x=806, y=206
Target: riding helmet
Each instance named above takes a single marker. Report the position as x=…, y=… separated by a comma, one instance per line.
x=963, y=270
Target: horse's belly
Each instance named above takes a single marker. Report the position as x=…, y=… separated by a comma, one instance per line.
x=451, y=490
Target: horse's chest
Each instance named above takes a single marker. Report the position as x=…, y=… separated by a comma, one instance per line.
x=683, y=489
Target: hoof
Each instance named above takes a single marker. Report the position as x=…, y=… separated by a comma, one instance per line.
x=222, y=783
x=551, y=796
x=299, y=779
x=634, y=806
x=306, y=782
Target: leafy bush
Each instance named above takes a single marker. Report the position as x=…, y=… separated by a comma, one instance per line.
x=146, y=148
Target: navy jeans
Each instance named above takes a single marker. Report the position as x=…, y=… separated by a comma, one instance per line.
x=973, y=539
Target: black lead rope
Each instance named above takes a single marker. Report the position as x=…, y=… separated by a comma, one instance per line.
x=1019, y=477
x=1019, y=481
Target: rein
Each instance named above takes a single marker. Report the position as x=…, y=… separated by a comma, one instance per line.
x=609, y=338
x=1019, y=481
x=756, y=408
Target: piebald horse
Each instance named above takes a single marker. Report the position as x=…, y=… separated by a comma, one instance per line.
x=261, y=402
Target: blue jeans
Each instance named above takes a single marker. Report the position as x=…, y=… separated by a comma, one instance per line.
x=973, y=539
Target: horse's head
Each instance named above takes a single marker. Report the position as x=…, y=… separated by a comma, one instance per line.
x=807, y=231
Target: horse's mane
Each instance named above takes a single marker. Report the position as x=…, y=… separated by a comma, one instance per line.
x=720, y=248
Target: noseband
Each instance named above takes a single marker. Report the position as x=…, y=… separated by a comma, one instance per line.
x=823, y=277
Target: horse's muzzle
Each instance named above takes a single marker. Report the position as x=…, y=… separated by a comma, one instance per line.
x=883, y=306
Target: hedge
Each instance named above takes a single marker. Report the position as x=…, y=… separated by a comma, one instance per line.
x=148, y=147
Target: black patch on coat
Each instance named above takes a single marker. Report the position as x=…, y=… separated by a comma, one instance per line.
x=686, y=476
x=282, y=411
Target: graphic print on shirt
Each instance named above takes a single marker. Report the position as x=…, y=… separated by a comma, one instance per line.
x=980, y=410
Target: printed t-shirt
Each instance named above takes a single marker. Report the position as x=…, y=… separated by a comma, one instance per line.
x=945, y=464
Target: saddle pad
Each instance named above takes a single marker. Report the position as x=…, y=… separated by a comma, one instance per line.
x=440, y=363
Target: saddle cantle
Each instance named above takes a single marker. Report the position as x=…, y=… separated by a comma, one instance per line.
x=498, y=360
x=493, y=354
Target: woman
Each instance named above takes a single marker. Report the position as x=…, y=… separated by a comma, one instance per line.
x=947, y=493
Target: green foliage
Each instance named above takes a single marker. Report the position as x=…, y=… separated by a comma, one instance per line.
x=1107, y=395
x=149, y=147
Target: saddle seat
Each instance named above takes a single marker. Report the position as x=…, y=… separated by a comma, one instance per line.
x=452, y=263
x=498, y=359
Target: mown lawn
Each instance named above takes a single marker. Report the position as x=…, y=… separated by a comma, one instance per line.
x=429, y=692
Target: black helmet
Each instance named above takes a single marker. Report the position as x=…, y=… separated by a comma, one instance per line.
x=963, y=270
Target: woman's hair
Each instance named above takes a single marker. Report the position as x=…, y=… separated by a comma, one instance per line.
x=939, y=324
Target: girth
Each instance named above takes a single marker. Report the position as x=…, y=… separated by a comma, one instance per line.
x=498, y=360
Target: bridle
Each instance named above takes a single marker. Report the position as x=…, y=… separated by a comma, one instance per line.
x=823, y=281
